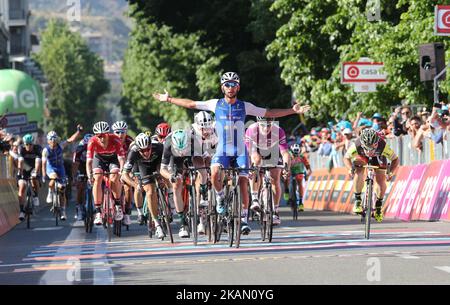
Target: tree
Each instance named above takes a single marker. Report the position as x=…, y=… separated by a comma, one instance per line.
x=75, y=77
x=235, y=32
x=159, y=59
x=317, y=36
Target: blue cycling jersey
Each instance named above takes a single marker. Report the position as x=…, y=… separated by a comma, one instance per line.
x=54, y=156
x=230, y=124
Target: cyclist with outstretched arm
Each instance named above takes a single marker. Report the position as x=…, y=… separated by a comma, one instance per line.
x=230, y=114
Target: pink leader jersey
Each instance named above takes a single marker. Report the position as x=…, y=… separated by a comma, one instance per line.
x=256, y=141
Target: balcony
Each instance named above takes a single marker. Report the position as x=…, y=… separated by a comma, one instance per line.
x=18, y=50
x=18, y=17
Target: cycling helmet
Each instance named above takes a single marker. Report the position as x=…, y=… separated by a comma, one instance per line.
x=101, y=127
x=180, y=140
x=162, y=130
x=142, y=141
x=295, y=148
x=52, y=135
x=229, y=77
x=28, y=139
x=262, y=118
x=203, y=119
x=120, y=125
x=368, y=138
x=86, y=138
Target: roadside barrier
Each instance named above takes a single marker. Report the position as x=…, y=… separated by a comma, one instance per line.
x=420, y=192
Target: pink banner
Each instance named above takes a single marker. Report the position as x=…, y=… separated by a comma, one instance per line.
x=442, y=195
x=425, y=198
x=395, y=198
x=407, y=200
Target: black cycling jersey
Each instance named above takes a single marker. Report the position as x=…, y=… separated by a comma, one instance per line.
x=146, y=166
x=29, y=157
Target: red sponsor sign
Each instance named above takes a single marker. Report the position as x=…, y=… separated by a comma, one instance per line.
x=442, y=20
x=363, y=72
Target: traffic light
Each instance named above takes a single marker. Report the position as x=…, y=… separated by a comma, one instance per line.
x=432, y=60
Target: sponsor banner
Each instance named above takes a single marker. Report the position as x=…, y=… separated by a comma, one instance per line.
x=394, y=200
x=319, y=203
x=427, y=191
x=441, y=200
x=332, y=204
x=9, y=206
x=329, y=190
x=411, y=192
x=346, y=202
x=309, y=187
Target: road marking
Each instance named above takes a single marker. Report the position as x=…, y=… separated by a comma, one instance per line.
x=48, y=229
x=406, y=255
x=102, y=275
x=443, y=268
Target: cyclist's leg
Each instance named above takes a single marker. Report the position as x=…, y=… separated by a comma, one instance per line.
x=358, y=183
x=202, y=178
x=299, y=182
x=255, y=182
x=152, y=199
x=242, y=162
x=275, y=174
x=116, y=184
x=21, y=194
x=217, y=163
x=216, y=173
x=380, y=182
x=34, y=183
x=98, y=167
x=201, y=189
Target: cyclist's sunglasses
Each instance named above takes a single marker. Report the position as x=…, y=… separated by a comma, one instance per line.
x=231, y=84
x=146, y=150
x=53, y=139
x=265, y=123
x=101, y=135
x=370, y=148
x=120, y=132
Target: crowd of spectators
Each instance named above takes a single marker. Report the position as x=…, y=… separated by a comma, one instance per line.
x=413, y=121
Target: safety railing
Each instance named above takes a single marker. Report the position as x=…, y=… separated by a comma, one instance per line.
x=6, y=167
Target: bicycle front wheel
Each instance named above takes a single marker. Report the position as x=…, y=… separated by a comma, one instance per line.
x=237, y=216
x=269, y=214
x=193, y=215
x=367, y=204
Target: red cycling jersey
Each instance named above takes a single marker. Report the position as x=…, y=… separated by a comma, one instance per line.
x=114, y=147
x=127, y=143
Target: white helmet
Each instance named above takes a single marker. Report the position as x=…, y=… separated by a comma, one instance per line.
x=230, y=76
x=101, y=127
x=142, y=140
x=52, y=135
x=295, y=148
x=120, y=125
x=203, y=119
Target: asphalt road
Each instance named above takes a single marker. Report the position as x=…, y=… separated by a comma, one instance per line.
x=319, y=248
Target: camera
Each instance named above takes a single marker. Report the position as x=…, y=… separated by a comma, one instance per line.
x=4, y=146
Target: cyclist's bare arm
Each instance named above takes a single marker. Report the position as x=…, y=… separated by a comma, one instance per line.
x=165, y=97
x=165, y=171
x=125, y=177
x=89, y=167
x=277, y=113
x=44, y=162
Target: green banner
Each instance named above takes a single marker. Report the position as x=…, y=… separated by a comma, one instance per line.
x=20, y=93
